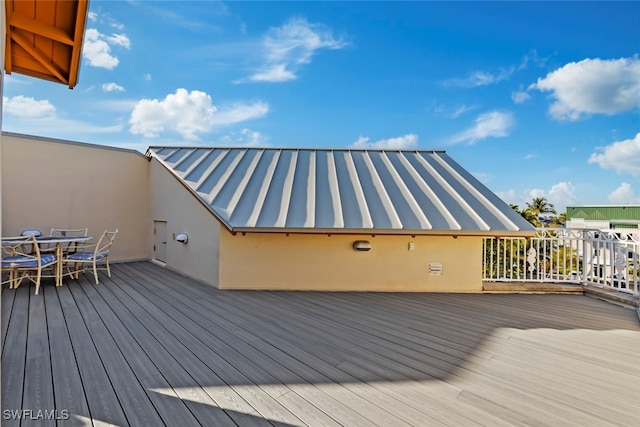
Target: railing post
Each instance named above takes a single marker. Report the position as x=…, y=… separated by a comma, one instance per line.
x=583, y=276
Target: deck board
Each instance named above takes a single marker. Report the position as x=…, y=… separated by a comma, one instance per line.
x=14, y=353
x=168, y=345
x=171, y=409
x=38, y=386
x=151, y=347
x=102, y=399
x=191, y=315
x=65, y=375
x=7, y=305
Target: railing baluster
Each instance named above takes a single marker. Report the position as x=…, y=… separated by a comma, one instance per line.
x=584, y=256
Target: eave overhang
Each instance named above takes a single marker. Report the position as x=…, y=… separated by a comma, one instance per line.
x=44, y=38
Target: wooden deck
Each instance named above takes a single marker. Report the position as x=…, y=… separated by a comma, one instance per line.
x=149, y=347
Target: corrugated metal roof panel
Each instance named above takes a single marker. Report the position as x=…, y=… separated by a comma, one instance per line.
x=339, y=190
x=628, y=212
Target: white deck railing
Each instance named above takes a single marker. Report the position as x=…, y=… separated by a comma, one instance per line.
x=603, y=258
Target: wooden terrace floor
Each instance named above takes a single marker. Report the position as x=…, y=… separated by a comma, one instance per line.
x=149, y=347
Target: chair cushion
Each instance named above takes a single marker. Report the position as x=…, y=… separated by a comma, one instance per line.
x=21, y=261
x=86, y=256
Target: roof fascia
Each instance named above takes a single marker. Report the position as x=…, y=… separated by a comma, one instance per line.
x=384, y=232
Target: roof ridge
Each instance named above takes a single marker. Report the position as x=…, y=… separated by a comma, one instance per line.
x=212, y=147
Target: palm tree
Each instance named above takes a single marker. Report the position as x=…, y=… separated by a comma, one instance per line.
x=558, y=221
x=526, y=214
x=540, y=206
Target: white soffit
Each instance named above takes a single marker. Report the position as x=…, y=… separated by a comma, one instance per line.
x=320, y=190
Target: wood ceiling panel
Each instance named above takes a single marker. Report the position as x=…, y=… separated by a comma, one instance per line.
x=44, y=38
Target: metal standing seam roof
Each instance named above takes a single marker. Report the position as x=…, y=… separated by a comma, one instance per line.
x=341, y=190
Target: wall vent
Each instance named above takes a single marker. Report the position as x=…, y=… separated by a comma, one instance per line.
x=435, y=268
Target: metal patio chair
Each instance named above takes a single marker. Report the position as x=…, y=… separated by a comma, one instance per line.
x=69, y=232
x=94, y=256
x=21, y=263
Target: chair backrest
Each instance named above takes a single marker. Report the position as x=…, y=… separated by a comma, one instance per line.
x=16, y=247
x=106, y=240
x=69, y=232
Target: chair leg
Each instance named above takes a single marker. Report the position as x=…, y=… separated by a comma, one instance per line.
x=38, y=277
x=95, y=271
x=108, y=268
x=17, y=281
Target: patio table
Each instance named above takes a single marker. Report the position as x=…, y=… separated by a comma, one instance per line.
x=59, y=242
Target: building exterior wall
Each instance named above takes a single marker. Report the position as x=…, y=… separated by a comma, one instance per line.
x=51, y=183
x=329, y=263
x=170, y=201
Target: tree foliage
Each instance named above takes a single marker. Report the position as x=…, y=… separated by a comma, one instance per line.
x=536, y=210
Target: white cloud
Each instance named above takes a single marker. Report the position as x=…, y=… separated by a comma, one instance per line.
x=400, y=143
x=97, y=51
x=452, y=111
x=562, y=195
x=593, y=86
x=461, y=110
x=188, y=113
x=481, y=78
x=17, y=79
x=621, y=156
x=93, y=17
x=509, y=196
x=535, y=193
x=532, y=57
x=290, y=46
x=237, y=113
x=492, y=124
x=147, y=77
x=520, y=96
x=112, y=87
x=275, y=73
x=624, y=195
x=244, y=138
x=97, y=48
x=40, y=117
x=22, y=106
x=119, y=40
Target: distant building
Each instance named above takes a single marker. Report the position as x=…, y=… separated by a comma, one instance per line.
x=605, y=218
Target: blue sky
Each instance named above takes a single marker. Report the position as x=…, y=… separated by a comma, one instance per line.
x=533, y=98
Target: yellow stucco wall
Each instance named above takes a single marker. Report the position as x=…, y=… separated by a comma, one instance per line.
x=170, y=201
x=320, y=262
x=50, y=183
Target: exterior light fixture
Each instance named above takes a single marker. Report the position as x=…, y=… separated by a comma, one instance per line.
x=32, y=232
x=362, y=245
x=182, y=238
